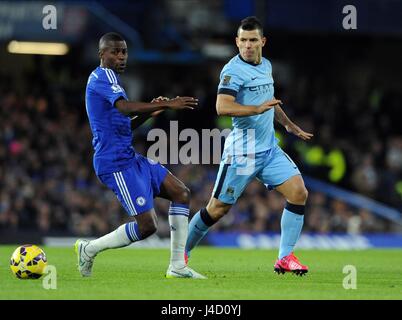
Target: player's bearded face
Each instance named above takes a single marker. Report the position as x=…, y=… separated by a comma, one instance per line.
x=114, y=56
x=250, y=45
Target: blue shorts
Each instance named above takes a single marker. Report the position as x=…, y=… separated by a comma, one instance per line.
x=138, y=185
x=272, y=167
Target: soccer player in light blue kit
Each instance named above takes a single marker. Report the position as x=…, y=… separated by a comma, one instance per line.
x=134, y=179
x=246, y=93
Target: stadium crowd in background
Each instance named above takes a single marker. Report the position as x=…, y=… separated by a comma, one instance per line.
x=47, y=183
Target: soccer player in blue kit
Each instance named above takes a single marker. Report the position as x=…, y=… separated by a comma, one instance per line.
x=246, y=93
x=134, y=179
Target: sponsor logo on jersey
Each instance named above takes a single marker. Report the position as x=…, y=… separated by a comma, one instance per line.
x=116, y=88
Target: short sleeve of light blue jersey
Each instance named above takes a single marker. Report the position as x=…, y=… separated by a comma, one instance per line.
x=230, y=81
x=107, y=88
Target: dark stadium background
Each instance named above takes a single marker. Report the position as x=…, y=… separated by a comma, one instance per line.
x=342, y=85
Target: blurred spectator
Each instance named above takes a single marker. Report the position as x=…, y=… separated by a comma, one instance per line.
x=47, y=182
x=365, y=177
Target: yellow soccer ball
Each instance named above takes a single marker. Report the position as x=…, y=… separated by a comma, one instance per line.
x=28, y=262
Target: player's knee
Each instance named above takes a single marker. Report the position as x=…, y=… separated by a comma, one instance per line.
x=148, y=229
x=183, y=195
x=147, y=224
x=300, y=195
x=220, y=212
x=217, y=215
x=217, y=210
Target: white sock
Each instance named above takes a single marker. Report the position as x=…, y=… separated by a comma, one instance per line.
x=121, y=237
x=178, y=220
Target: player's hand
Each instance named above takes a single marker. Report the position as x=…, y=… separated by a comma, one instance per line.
x=158, y=99
x=268, y=105
x=298, y=132
x=180, y=103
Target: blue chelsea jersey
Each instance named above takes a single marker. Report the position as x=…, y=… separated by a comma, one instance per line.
x=111, y=130
x=251, y=85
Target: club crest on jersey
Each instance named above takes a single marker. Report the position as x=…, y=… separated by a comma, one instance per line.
x=230, y=191
x=226, y=80
x=116, y=88
x=140, y=201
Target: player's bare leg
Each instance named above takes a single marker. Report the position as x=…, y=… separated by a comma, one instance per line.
x=179, y=195
x=291, y=224
x=217, y=209
x=294, y=190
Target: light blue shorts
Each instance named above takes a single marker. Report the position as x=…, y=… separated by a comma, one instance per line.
x=272, y=167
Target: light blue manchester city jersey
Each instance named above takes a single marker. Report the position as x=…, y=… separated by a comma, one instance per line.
x=251, y=85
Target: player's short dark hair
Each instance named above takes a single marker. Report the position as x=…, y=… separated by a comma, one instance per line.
x=110, y=36
x=251, y=23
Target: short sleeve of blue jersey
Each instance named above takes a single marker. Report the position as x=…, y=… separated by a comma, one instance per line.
x=230, y=82
x=110, y=91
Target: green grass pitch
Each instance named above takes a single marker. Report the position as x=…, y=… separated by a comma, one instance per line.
x=232, y=274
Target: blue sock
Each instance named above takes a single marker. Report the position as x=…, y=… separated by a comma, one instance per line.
x=132, y=231
x=291, y=226
x=197, y=229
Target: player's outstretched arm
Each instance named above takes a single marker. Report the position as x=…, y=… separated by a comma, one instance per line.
x=138, y=120
x=226, y=106
x=291, y=127
x=134, y=108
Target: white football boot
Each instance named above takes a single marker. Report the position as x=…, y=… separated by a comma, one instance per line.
x=85, y=262
x=184, y=272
